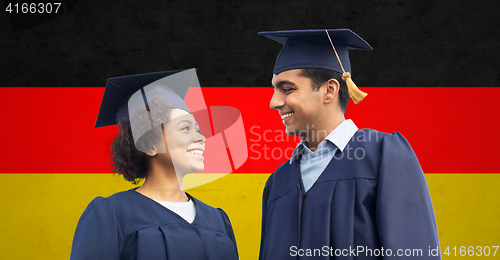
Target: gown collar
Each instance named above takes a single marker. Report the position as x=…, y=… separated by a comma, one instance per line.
x=339, y=136
x=197, y=205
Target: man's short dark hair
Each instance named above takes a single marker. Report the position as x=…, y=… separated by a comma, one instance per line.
x=320, y=76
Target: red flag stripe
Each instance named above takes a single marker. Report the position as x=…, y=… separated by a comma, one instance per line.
x=452, y=130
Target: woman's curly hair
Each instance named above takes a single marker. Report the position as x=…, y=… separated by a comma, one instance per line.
x=127, y=159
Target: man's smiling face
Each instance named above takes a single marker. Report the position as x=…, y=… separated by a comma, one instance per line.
x=298, y=104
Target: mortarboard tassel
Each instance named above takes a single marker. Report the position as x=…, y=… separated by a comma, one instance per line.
x=354, y=92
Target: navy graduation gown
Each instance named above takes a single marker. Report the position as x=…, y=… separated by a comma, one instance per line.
x=371, y=196
x=129, y=225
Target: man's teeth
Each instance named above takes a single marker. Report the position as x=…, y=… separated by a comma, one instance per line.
x=196, y=152
x=286, y=115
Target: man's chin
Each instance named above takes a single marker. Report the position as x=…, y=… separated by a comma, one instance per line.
x=292, y=132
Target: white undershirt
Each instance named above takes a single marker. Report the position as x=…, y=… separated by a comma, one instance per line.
x=186, y=210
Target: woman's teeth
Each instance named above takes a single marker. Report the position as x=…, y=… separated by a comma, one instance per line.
x=196, y=152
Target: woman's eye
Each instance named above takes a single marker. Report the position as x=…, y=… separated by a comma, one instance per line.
x=186, y=128
x=198, y=131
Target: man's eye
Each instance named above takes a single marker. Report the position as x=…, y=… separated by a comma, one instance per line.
x=287, y=89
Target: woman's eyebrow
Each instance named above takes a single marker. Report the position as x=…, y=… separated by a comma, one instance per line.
x=185, y=120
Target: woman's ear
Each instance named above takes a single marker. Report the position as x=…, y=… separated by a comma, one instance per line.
x=152, y=152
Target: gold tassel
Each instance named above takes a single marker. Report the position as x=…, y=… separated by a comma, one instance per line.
x=354, y=92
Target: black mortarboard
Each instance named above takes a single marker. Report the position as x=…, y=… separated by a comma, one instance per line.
x=318, y=49
x=116, y=101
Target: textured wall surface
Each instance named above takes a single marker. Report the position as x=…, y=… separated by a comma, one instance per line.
x=416, y=43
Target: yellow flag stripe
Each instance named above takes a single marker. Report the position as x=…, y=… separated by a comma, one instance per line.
x=40, y=211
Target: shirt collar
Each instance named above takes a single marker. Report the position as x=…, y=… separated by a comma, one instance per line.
x=340, y=136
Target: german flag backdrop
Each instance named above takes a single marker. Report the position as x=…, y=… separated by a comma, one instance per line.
x=432, y=76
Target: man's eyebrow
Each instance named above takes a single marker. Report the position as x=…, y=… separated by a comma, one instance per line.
x=281, y=83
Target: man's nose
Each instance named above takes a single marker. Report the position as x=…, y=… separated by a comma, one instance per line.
x=277, y=100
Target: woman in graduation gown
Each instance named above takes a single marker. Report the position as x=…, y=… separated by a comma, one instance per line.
x=158, y=140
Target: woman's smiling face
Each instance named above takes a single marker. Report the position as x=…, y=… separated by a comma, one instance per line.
x=184, y=142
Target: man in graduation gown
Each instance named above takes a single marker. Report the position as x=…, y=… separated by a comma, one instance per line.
x=346, y=192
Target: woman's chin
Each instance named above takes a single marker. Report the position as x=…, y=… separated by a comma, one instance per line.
x=198, y=168
x=193, y=169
